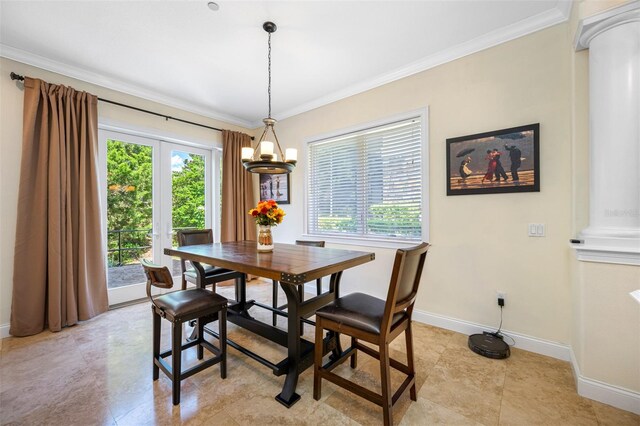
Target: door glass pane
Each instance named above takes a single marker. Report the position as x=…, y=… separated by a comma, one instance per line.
x=129, y=211
x=187, y=195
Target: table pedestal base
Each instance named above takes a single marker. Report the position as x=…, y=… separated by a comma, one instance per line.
x=294, y=398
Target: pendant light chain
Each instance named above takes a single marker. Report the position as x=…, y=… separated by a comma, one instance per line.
x=269, y=89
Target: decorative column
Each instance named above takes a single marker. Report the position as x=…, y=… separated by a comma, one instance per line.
x=613, y=40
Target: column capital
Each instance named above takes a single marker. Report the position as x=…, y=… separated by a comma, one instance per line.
x=593, y=25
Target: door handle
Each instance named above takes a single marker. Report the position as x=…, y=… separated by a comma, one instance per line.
x=155, y=232
x=169, y=231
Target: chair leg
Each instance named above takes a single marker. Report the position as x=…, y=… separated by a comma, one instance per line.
x=317, y=363
x=410, y=363
x=274, y=299
x=200, y=337
x=385, y=376
x=176, y=358
x=222, y=331
x=354, y=355
x=319, y=286
x=156, y=343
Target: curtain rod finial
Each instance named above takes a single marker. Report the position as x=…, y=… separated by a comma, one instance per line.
x=15, y=76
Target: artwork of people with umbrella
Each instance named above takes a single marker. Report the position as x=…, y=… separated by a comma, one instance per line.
x=478, y=164
x=274, y=187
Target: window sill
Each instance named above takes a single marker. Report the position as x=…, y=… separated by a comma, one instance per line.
x=365, y=242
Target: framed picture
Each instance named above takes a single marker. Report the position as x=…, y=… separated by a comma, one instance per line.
x=275, y=187
x=506, y=160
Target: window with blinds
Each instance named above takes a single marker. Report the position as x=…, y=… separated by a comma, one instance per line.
x=367, y=184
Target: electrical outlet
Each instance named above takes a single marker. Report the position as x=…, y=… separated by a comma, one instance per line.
x=501, y=295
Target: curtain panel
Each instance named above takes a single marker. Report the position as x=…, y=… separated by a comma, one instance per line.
x=237, y=190
x=59, y=266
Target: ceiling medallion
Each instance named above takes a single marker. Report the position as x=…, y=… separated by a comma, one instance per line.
x=262, y=158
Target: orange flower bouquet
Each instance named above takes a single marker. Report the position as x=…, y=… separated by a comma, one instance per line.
x=267, y=213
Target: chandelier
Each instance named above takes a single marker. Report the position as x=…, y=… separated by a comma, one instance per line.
x=262, y=158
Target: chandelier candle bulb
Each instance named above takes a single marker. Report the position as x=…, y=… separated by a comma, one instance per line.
x=291, y=155
x=247, y=153
x=266, y=148
x=275, y=157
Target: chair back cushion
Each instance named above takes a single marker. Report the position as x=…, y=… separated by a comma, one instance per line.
x=405, y=278
x=157, y=276
x=192, y=237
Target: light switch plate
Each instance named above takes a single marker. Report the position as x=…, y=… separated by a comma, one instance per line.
x=536, y=230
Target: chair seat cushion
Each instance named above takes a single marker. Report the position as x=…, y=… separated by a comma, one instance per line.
x=184, y=303
x=358, y=310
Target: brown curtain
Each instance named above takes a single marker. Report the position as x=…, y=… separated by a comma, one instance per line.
x=237, y=190
x=59, y=273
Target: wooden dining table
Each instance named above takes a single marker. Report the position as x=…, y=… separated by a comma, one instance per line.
x=293, y=266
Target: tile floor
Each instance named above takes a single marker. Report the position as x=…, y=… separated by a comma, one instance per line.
x=99, y=372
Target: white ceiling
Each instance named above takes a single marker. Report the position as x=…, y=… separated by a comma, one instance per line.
x=180, y=53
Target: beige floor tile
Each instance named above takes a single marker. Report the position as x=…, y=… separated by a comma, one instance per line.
x=467, y=383
x=534, y=400
x=99, y=372
x=612, y=416
x=424, y=412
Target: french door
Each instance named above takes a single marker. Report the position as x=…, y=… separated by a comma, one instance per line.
x=152, y=189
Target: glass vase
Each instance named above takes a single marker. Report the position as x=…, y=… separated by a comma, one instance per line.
x=265, y=239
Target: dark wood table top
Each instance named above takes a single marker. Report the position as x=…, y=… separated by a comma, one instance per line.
x=290, y=263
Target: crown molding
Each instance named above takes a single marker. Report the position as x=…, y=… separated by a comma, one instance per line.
x=564, y=7
x=527, y=26
x=590, y=27
x=113, y=84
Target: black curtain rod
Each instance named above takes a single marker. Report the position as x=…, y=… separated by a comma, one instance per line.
x=18, y=77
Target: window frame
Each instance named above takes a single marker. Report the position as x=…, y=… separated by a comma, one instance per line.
x=423, y=114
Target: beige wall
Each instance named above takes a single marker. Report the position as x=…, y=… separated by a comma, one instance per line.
x=11, y=98
x=588, y=8
x=608, y=346
x=480, y=242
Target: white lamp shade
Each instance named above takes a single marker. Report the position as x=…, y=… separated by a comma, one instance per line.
x=291, y=154
x=247, y=153
x=266, y=148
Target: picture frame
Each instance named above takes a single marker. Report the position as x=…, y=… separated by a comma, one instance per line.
x=275, y=187
x=500, y=161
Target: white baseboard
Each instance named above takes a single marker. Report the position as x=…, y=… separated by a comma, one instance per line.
x=522, y=341
x=618, y=397
x=4, y=331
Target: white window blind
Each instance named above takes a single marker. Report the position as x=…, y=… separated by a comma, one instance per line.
x=367, y=184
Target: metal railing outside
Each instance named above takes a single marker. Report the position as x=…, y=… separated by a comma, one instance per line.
x=120, y=249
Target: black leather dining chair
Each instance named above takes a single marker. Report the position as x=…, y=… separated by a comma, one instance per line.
x=275, y=305
x=364, y=317
x=179, y=307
